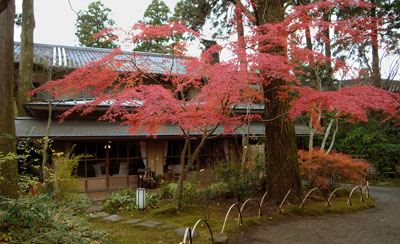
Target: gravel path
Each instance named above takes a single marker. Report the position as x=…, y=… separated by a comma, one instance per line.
x=377, y=225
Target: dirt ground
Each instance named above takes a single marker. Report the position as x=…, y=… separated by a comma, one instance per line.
x=377, y=225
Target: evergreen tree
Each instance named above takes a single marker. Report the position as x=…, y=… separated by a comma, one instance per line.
x=91, y=22
x=8, y=166
x=26, y=57
x=156, y=14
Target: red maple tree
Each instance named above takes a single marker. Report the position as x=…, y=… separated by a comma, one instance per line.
x=152, y=95
x=324, y=170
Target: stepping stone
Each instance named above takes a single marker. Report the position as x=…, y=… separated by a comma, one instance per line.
x=220, y=238
x=94, y=208
x=113, y=218
x=99, y=215
x=167, y=226
x=181, y=232
x=149, y=224
x=132, y=221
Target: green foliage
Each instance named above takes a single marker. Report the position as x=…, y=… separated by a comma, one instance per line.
x=196, y=13
x=8, y=157
x=65, y=173
x=241, y=185
x=217, y=190
x=91, y=22
x=157, y=14
x=168, y=190
x=26, y=181
x=125, y=201
x=375, y=141
x=41, y=219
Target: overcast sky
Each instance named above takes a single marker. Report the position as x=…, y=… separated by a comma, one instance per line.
x=55, y=21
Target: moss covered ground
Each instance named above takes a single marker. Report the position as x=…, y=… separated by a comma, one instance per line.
x=215, y=213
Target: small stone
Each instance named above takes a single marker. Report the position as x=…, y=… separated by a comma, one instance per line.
x=149, y=224
x=99, y=215
x=132, y=221
x=94, y=209
x=220, y=238
x=167, y=226
x=181, y=232
x=113, y=218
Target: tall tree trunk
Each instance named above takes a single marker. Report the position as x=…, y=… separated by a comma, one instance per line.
x=9, y=169
x=328, y=51
x=281, y=149
x=26, y=56
x=243, y=66
x=376, y=73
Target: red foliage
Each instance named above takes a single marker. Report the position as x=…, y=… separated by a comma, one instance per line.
x=148, y=103
x=324, y=170
x=350, y=102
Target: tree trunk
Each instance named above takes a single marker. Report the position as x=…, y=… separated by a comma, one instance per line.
x=26, y=56
x=179, y=187
x=3, y=5
x=281, y=149
x=45, y=159
x=328, y=51
x=9, y=172
x=376, y=74
x=185, y=170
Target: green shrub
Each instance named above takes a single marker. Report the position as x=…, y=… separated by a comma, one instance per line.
x=41, y=219
x=27, y=181
x=125, y=201
x=238, y=185
x=167, y=191
x=375, y=141
x=76, y=201
x=219, y=189
x=65, y=174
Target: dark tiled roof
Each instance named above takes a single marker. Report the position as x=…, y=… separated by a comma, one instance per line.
x=392, y=85
x=33, y=127
x=70, y=57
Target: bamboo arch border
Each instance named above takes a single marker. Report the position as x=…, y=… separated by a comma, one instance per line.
x=284, y=199
x=189, y=231
x=351, y=193
x=227, y=215
x=328, y=204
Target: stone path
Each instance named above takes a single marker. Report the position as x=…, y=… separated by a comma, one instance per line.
x=378, y=225
x=94, y=212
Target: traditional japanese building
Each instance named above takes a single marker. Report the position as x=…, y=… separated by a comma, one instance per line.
x=117, y=157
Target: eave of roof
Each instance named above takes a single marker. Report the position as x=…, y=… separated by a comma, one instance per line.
x=35, y=128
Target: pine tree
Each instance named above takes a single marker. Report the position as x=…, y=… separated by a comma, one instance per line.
x=156, y=14
x=91, y=22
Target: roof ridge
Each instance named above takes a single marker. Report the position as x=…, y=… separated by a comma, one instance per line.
x=104, y=50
